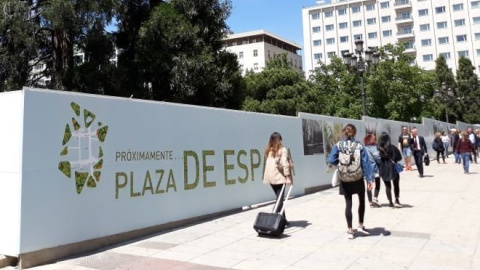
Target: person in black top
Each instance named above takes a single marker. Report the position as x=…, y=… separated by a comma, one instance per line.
x=389, y=156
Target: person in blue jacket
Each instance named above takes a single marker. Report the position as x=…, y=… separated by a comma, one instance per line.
x=348, y=188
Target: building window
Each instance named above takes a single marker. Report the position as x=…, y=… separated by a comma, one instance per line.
x=372, y=35
x=386, y=19
x=316, y=29
x=476, y=20
x=441, y=25
x=440, y=10
x=478, y=52
x=384, y=5
x=357, y=37
x=461, y=38
x=253, y=40
x=234, y=43
x=342, y=11
x=457, y=7
x=459, y=22
x=315, y=16
x=426, y=42
x=475, y=4
x=357, y=23
x=244, y=42
x=425, y=27
x=317, y=56
x=255, y=53
x=445, y=55
x=371, y=21
x=330, y=41
x=477, y=36
x=423, y=12
x=331, y=54
x=328, y=13
x=343, y=39
x=427, y=57
x=329, y=27
x=317, y=42
x=356, y=9
x=240, y=55
x=463, y=54
x=409, y=44
x=387, y=33
x=370, y=7
x=343, y=25
x=443, y=40
x=255, y=66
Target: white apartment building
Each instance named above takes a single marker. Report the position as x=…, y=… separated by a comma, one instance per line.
x=255, y=48
x=429, y=28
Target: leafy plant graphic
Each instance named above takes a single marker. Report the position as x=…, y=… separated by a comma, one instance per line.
x=81, y=149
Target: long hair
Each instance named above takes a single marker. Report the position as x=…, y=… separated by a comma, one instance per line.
x=274, y=144
x=384, y=145
x=349, y=131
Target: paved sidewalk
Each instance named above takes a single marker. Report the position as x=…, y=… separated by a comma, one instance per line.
x=438, y=228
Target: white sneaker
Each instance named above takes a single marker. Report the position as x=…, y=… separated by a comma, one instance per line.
x=363, y=230
x=350, y=235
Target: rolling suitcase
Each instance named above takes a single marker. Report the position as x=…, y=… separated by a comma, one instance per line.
x=272, y=224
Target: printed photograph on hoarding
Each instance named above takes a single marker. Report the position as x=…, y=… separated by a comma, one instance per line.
x=332, y=133
x=312, y=137
x=370, y=127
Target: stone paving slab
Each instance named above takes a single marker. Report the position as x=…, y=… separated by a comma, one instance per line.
x=438, y=228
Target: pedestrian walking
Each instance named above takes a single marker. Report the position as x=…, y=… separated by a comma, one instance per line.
x=454, y=142
x=370, y=143
x=389, y=156
x=419, y=149
x=465, y=149
x=446, y=142
x=353, y=165
x=277, y=168
x=439, y=147
x=404, y=147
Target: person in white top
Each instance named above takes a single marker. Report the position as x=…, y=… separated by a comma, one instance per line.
x=446, y=142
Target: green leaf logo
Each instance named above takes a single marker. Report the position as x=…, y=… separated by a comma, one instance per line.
x=81, y=149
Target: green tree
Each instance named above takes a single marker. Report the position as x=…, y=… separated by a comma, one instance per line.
x=467, y=92
x=444, y=78
x=398, y=90
x=279, y=89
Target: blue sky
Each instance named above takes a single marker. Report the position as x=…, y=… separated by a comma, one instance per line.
x=280, y=17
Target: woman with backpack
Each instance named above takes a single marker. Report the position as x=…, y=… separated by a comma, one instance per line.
x=370, y=143
x=389, y=156
x=438, y=146
x=353, y=165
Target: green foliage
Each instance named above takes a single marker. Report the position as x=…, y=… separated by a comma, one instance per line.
x=468, y=92
x=279, y=89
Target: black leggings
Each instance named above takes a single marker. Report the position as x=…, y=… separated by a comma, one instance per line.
x=396, y=187
x=278, y=192
x=438, y=156
x=348, y=208
x=377, y=189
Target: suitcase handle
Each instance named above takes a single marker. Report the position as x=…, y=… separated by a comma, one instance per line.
x=284, y=201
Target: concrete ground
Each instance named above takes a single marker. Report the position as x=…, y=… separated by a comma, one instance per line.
x=438, y=228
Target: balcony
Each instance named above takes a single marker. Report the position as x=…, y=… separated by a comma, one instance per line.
x=402, y=4
x=410, y=49
x=405, y=34
x=404, y=19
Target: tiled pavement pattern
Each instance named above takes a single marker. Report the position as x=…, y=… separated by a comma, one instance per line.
x=438, y=228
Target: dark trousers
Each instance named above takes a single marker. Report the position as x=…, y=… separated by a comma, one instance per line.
x=349, y=205
x=418, y=156
x=278, y=192
x=438, y=156
x=377, y=190
x=396, y=188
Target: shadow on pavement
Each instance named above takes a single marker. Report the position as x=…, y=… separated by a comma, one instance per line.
x=377, y=231
x=299, y=223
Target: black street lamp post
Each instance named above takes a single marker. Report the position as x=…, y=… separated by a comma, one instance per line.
x=361, y=64
x=446, y=94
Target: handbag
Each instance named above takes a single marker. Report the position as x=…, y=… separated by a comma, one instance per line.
x=398, y=167
x=426, y=160
x=335, y=179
